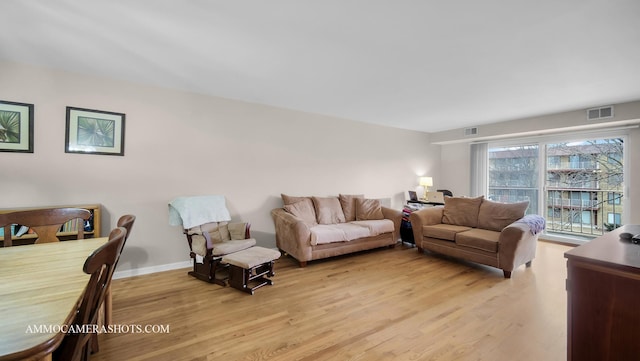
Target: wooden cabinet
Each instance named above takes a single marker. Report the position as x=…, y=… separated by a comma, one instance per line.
x=95, y=222
x=603, y=290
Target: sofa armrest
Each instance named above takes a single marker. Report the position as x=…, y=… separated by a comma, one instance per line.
x=517, y=246
x=395, y=216
x=292, y=234
x=424, y=217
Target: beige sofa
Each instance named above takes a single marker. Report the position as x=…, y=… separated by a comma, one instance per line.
x=311, y=228
x=479, y=230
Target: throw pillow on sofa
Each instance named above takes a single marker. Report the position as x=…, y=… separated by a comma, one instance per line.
x=461, y=211
x=328, y=210
x=348, y=203
x=495, y=216
x=286, y=199
x=303, y=210
x=368, y=209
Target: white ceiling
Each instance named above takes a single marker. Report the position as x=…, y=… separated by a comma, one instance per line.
x=425, y=65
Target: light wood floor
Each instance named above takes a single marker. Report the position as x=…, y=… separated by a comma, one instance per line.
x=388, y=304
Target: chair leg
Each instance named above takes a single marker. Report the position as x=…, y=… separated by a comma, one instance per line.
x=88, y=349
x=249, y=280
x=93, y=346
x=108, y=307
x=209, y=271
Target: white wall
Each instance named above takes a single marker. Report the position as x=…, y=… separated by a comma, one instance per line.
x=456, y=169
x=180, y=144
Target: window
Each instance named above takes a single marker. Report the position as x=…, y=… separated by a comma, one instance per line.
x=614, y=198
x=553, y=162
x=513, y=175
x=581, y=217
x=577, y=185
x=614, y=218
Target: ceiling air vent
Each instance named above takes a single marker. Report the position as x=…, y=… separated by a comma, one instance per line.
x=600, y=113
x=471, y=131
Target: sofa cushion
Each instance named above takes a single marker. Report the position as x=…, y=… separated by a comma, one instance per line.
x=376, y=226
x=354, y=231
x=495, y=216
x=237, y=230
x=220, y=249
x=368, y=209
x=251, y=257
x=326, y=233
x=348, y=203
x=205, y=227
x=443, y=231
x=304, y=210
x=461, y=211
x=328, y=210
x=199, y=244
x=481, y=239
x=218, y=231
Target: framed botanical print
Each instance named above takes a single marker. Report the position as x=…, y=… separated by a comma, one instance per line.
x=16, y=127
x=94, y=132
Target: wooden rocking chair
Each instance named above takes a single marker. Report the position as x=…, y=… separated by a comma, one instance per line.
x=210, y=242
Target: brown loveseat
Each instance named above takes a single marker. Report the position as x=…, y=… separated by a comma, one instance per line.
x=311, y=228
x=479, y=230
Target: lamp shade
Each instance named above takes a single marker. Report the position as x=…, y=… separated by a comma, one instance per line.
x=426, y=181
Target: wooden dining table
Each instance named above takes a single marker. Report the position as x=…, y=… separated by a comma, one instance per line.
x=41, y=286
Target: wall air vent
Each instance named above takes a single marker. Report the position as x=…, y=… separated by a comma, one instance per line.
x=600, y=113
x=471, y=131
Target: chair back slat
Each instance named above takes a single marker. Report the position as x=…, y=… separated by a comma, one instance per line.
x=46, y=223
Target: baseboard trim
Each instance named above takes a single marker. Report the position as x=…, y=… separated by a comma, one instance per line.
x=153, y=269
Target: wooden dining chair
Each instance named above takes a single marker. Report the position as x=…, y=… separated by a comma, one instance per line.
x=100, y=265
x=45, y=223
x=126, y=222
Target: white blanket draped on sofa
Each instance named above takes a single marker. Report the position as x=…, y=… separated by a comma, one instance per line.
x=341, y=232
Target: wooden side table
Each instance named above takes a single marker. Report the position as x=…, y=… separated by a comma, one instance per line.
x=406, y=231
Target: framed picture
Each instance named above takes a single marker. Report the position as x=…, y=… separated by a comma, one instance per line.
x=94, y=132
x=16, y=127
